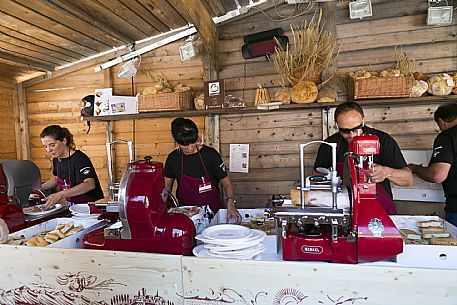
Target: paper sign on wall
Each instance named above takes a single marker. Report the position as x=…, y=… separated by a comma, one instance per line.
x=239, y=158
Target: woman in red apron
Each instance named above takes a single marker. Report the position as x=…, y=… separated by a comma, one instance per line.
x=74, y=174
x=198, y=170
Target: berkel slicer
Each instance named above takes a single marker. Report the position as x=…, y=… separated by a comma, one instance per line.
x=364, y=233
x=145, y=225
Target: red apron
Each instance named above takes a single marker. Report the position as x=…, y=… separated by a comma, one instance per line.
x=383, y=198
x=66, y=184
x=189, y=189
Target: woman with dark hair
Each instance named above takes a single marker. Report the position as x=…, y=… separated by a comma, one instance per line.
x=198, y=169
x=74, y=174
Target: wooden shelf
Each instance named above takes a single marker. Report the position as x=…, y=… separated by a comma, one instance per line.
x=219, y=111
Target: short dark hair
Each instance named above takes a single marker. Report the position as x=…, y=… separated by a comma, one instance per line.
x=447, y=113
x=346, y=107
x=59, y=133
x=184, y=131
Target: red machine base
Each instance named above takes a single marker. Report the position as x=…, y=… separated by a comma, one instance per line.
x=318, y=248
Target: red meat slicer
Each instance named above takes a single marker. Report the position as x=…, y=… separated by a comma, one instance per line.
x=145, y=225
x=17, y=180
x=364, y=234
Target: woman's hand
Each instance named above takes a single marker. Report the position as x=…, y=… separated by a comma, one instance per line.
x=232, y=211
x=52, y=200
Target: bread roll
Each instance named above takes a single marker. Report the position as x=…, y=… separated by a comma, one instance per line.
x=67, y=227
x=295, y=197
x=4, y=232
x=199, y=102
x=150, y=90
x=74, y=230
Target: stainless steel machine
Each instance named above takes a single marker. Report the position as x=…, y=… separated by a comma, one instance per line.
x=364, y=233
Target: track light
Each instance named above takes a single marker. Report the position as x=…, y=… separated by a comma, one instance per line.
x=438, y=15
x=359, y=9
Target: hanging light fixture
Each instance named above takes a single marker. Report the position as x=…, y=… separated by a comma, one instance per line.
x=359, y=9
x=439, y=15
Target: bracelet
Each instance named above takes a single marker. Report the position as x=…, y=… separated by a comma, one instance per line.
x=234, y=201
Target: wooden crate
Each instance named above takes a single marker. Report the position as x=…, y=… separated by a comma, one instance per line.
x=379, y=87
x=165, y=101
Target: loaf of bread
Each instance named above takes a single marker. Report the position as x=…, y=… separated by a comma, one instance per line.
x=444, y=241
x=304, y=92
x=410, y=234
x=432, y=234
x=430, y=223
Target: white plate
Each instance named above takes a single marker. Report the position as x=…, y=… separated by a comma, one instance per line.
x=85, y=216
x=200, y=251
x=257, y=238
x=45, y=212
x=227, y=232
x=80, y=209
x=240, y=252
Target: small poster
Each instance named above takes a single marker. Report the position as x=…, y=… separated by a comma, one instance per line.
x=214, y=93
x=239, y=158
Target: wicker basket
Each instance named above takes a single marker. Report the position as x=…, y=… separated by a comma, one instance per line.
x=165, y=101
x=379, y=87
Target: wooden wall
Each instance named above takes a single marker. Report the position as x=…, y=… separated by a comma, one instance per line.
x=152, y=137
x=59, y=102
x=273, y=136
x=368, y=43
x=7, y=122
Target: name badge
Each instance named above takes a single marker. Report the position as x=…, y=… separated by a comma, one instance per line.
x=204, y=187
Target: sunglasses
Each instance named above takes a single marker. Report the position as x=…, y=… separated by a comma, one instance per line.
x=348, y=130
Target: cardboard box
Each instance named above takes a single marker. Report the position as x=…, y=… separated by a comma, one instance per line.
x=272, y=241
x=72, y=241
x=426, y=256
x=108, y=104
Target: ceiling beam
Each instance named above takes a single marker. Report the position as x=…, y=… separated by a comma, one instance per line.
x=20, y=62
x=202, y=20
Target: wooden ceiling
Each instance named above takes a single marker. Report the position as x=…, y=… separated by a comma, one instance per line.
x=38, y=36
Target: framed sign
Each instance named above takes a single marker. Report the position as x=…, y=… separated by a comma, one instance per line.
x=214, y=93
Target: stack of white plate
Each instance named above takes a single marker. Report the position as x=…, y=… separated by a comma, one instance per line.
x=82, y=211
x=231, y=241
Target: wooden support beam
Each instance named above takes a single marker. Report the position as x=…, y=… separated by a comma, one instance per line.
x=21, y=124
x=202, y=20
x=13, y=60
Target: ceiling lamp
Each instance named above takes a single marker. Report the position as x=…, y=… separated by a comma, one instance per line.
x=359, y=9
x=188, y=49
x=439, y=15
x=128, y=69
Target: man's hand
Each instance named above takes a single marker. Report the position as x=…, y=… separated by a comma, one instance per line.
x=380, y=173
x=232, y=211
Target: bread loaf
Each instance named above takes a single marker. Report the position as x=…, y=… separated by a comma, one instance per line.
x=430, y=223
x=304, y=92
x=444, y=241
x=410, y=234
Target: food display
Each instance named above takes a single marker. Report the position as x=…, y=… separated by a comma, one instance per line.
x=429, y=232
x=45, y=238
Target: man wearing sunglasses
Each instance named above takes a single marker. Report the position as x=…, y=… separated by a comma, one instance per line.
x=443, y=162
x=390, y=165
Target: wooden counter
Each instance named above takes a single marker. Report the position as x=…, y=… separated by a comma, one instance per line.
x=76, y=276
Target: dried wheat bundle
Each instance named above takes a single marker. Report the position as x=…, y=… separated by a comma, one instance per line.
x=406, y=64
x=312, y=52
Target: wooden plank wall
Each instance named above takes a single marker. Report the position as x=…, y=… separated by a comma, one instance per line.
x=152, y=137
x=58, y=101
x=368, y=43
x=7, y=122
